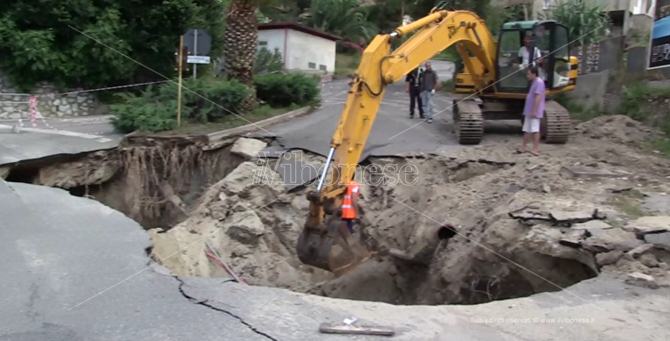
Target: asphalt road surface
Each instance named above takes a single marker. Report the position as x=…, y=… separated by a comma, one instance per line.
x=393, y=132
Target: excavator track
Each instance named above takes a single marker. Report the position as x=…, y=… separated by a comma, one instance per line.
x=468, y=122
x=556, y=123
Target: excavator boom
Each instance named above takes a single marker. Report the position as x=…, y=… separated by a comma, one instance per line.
x=320, y=243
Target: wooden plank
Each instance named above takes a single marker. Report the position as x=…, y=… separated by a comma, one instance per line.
x=331, y=328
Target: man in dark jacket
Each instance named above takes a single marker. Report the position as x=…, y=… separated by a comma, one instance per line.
x=427, y=85
x=412, y=81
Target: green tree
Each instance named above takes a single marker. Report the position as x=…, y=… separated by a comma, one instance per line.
x=345, y=18
x=421, y=8
x=585, y=21
x=240, y=41
x=387, y=15
x=60, y=40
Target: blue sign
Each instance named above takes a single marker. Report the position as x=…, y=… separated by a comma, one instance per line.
x=659, y=50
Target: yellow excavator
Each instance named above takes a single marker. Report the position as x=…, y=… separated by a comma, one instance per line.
x=492, y=86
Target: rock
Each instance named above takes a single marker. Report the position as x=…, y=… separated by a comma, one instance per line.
x=649, y=260
x=589, y=172
x=245, y=227
x=4, y=171
x=611, y=239
x=248, y=175
x=650, y=224
x=608, y=258
x=546, y=241
x=592, y=225
x=546, y=188
x=94, y=169
x=636, y=252
x=248, y=148
x=642, y=280
x=661, y=240
x=573, y=216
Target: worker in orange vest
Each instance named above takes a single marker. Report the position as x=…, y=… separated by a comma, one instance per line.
x=349, y=202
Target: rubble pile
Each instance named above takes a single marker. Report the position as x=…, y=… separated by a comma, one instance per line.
x=522, y=224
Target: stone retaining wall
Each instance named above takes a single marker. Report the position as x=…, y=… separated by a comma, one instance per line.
x=50, y=102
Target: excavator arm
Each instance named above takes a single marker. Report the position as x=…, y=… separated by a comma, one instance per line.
x=320, y=243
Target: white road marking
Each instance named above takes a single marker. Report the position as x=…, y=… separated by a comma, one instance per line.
x=98, y=138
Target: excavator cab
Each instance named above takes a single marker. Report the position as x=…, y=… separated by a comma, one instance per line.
x=550, y=39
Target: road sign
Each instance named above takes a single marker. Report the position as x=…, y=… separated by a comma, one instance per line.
x=198, y=59
x=659, y=49
x=198, y=42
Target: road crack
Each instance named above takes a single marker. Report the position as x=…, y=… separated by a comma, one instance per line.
x=233, y=315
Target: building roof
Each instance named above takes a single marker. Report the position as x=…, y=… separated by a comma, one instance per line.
x=297, y=27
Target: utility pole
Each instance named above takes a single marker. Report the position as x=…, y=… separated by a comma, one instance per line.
x=195, y=52
x=180, y=68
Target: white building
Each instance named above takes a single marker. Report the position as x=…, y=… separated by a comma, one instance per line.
x=301, y=47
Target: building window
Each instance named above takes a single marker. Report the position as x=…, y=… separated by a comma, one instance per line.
x=262, y=43
x=322, y=67
x=311, y=65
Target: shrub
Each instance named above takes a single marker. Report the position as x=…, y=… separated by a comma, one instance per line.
x=284, y=89
x=209, y=98
x=145, y=113
x=154, y=109
x=267, y=61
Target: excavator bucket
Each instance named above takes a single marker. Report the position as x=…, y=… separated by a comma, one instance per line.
x=328, y=249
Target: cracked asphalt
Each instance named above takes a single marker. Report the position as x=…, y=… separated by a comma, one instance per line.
x=74, y=269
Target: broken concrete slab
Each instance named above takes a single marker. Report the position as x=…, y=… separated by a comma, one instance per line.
x=245, y=227
x=650, y=224
x=611, y=239
x=661, y=240
x=590, y=172
x=592, y=225
x=546, y=241
x=556, y=216
x=607, y=258
x=649, y=260
x=249, y=175
x=642, y=280
x=636, y=252
x=572, y=217
x=657, y=203
x=248, y=148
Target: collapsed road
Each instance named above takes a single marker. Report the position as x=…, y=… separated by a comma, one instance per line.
x=107, y=289
x=577, y=233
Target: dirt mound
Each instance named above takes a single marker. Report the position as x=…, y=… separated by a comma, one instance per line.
x=250, y=222
x=617, y=128
x=523, y=224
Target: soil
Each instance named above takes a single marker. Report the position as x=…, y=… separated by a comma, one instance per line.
x=521, y=224
x=569, y=205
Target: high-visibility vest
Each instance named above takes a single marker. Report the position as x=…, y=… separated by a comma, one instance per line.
x=348, y=210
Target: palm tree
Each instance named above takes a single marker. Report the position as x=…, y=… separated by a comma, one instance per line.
x=345, y=18
x=240, y=45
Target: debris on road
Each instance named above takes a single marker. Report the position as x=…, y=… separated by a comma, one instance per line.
x=247, y=148
x=642, y=280
x=353, y=329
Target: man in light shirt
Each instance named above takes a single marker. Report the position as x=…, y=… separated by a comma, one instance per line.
x=527, y=50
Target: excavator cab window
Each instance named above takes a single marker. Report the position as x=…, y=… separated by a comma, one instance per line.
x=550, y=39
